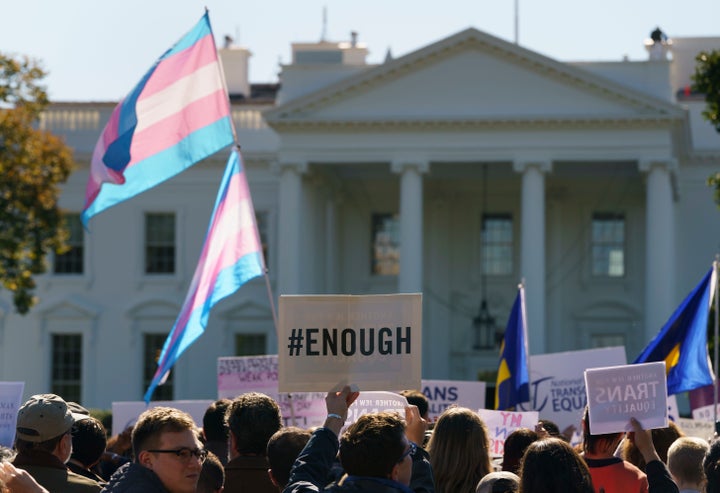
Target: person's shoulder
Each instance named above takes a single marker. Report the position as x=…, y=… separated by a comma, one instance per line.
x=632, y=473
x=80, y=483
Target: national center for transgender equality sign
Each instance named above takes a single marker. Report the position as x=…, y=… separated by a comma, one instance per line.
x=373, y=342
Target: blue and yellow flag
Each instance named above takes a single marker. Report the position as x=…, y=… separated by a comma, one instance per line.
x=682, y=342
x=513, y=382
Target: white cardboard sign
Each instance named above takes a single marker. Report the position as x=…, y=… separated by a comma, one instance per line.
x=557, y=386
x=125, y=413
x=501, y=423
x=442, y=394
x=373, y=342
x=10, y=401
x=696, y=428
x=616, y=394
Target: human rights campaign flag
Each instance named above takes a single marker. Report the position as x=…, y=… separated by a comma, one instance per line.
x=231, y=256
x=682, y=342
x=513, y=381
x=177, y=115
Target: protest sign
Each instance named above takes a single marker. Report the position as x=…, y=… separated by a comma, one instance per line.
x=618, y=393
x=240, y=374
x=10, y=402
x=441, y=394
x=375, y=402
x=557, y=386
x=705, y=413
x=696, y=428
x=501, y=423
x=125, y=413
x=372, y=341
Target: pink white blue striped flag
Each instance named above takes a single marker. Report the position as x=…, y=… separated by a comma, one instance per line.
x=231, y=256
x=177, y=115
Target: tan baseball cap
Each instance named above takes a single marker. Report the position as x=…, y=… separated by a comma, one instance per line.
x=45, y=416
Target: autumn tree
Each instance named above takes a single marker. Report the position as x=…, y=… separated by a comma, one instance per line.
x=706, y=80
x=33, y=163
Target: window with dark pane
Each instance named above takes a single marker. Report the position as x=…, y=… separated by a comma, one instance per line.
x=496, y=249
x=160, y=243
x=71, y=262
x=250, y=344
x=385, y=252
x=153, y=344
x=66, y=366
x=608, y=244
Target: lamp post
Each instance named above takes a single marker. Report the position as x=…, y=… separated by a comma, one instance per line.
x=484, y=325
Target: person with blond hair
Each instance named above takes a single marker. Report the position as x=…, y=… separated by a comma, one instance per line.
x=459, y=451
x=684, y=460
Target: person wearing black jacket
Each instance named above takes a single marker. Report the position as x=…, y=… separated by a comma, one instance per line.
x=378, y=453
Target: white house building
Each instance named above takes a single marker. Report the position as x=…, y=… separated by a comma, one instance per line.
x=456, y=171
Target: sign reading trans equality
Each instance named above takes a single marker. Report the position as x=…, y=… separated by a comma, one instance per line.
x=373, y=342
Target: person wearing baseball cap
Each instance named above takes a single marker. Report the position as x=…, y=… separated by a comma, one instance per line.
x=44, y=443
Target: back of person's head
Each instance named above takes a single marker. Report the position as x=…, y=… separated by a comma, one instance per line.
x=282, y=449
x=253, y=418
x=89, y=440
x=373, y=445
x=417, y=398
x=552, y=465
x=499, y=482
x=515, y=445
x=662, y=439
x=596, y=444
x=154, y=422
x=684, y=460
x=212, y=475
x=214, y=424
x=552, y=429
x=42, y=423
x=459, y=450
x=711, y=466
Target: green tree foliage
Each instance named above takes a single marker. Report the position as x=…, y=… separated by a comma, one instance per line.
x=33, y=163
x=706, y=80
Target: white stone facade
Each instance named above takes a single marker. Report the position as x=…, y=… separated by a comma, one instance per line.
x=560, y=142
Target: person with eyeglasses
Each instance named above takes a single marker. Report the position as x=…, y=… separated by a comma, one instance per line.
x=168, y=455
x=378, y=452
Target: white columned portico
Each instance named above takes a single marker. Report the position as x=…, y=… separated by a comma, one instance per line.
x=660, y=244
x=532, y=247
x=289, y=226
x=410, y=279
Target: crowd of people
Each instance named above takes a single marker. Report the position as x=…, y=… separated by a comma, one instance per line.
x=243, y=447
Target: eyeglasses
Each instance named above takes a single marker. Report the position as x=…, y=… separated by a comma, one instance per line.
x=184, y=453
x=410, y=451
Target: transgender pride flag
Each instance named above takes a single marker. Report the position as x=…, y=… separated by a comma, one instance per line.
x=231, y=256
x=177, y=115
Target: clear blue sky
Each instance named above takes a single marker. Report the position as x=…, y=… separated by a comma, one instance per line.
x=96, y=50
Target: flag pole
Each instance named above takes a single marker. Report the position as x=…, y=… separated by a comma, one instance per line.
x=271, y=298
x=715, y=335
x=527, y=341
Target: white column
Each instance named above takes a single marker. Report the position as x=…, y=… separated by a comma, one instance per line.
x=332, y=236
x=659, y=245
x=289, y=226
x=532, y=248
x=411, y=223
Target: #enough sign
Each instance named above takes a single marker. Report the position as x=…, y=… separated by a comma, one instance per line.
x=373, y=342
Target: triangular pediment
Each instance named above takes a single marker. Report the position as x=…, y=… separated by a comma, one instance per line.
x=472, y=77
